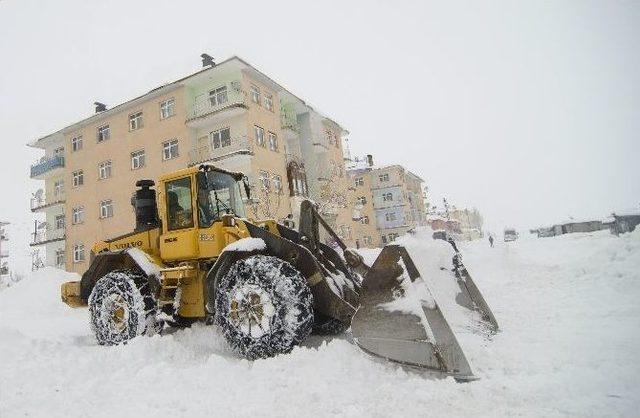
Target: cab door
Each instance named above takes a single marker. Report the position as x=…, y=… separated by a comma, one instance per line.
x=179, y=238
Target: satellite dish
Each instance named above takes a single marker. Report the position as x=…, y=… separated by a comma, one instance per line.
x=42, y=225
x=38, y=194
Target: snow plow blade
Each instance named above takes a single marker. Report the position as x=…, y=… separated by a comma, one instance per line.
x=470, y=296
x=399, y=320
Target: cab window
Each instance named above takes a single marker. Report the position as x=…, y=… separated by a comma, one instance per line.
x=179, y=212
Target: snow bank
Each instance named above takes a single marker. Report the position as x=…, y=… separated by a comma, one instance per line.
x=568, y=308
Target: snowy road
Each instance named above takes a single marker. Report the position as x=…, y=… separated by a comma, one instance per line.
x=568, y=307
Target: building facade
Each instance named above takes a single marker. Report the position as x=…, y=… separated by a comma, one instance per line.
x=389, y=200
x=229, y=114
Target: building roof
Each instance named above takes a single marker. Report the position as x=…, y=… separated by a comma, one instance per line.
x=168, y=87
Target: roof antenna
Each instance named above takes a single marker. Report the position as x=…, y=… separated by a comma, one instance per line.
x=207, y=61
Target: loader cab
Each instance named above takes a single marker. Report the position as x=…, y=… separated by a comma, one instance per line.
x=197, y=206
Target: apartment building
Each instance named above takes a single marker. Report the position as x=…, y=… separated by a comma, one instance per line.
x=229, y=114
x=315, y=162
x=389, y=199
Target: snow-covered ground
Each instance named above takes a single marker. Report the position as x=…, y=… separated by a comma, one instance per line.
x=568, y=308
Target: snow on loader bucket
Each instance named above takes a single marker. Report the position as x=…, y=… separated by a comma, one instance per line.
x=399, y=320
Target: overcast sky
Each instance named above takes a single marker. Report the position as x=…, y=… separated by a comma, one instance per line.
x=529, y=110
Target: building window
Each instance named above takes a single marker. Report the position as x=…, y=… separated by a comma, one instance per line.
x=264, y=179
x=259, y=132
x=255, y=94
x=135, y=121
x=167, y=108
x=359, y=181
x=273, y=142
x=58, y=151
x=364, y=220
x=78, y=253
x=59, y=221
x=268, y=102
x=387, y=197
x=383, y=177
x=170, y=149
x=367, y=240
x=220, y=138
x=60, y=258
x=392, y=237
x=106, y=209
x=104, y=170
x=78, y=178
x=76, y=143
x=361, y=200
x=391, y=216
x=77, y=215
x=58, y=188
x=297, y=179
x=277, y=183
x=218, y=96
x=384, y=239
x=103, y=133
x=137, y=159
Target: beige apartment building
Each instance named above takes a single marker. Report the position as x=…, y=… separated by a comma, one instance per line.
x=389, y=200
x=229, y=114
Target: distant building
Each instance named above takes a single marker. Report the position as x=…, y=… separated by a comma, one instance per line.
x=625, y=222
x=389, y=201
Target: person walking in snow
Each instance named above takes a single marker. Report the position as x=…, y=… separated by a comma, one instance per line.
x=491, y=240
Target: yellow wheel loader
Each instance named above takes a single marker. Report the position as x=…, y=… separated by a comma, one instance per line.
x=195, y=256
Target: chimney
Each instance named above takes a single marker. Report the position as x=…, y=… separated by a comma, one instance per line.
x=370, y=160
x=100, y=107
x=207, y=61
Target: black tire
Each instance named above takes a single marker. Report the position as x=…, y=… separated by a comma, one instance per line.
x=263, y=306
x=121, y=307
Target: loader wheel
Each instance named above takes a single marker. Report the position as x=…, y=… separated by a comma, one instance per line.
x=264, y=306
x=121, y=307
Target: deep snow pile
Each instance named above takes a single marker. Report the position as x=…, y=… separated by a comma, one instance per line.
x=567, y=306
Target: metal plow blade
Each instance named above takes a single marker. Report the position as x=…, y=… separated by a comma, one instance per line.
x=399, y=320
x=470, y=296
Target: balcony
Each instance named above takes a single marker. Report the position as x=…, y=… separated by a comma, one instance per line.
x=43, y=202
x=240, y=145
x=288, y=118
x=207, y=110
x=46, y=165
x=47, y=235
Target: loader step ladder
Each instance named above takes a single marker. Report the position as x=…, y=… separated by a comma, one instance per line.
x=170, y=281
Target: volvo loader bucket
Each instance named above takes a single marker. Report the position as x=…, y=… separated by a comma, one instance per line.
x=399, y=320
x=469, y=295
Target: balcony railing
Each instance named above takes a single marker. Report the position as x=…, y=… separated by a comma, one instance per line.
x=46, y=235
x=205, y=106
x=42, y=202
x=288, y=120
x=46, y=164
x=237, y=146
